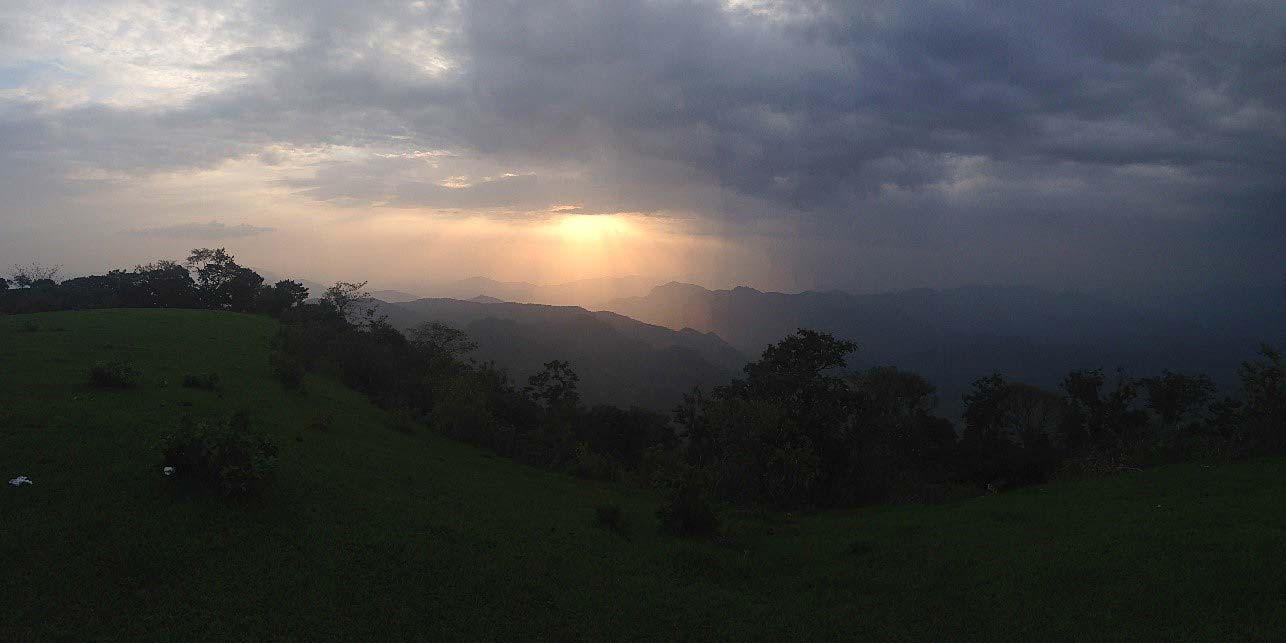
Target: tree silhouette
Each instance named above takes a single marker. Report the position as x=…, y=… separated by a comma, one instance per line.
x=221, y=282
x=34, y=274
x=554, y=387
x=1175, y=395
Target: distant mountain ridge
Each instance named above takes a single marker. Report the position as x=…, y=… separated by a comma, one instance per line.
x=393, y=296
x=588, y=293
x=953, y=336
x=620, y=360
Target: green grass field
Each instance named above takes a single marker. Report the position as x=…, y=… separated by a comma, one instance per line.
x=370, y=534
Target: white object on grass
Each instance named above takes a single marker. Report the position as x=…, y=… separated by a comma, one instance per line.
x=169, y=471
x=20, y=480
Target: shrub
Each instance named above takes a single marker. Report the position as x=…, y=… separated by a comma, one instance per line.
x=207, y=381
x=287, y=369
x=611, y=518
x=590, y=465
x=322, y=423
x=115, y=374
x=403, y=420
x=686, y=508
x=221, y=457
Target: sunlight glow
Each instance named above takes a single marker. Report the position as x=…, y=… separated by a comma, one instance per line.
x=594, y=229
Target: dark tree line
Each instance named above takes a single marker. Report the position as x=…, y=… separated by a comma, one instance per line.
x=207, y=279
x=799, y=429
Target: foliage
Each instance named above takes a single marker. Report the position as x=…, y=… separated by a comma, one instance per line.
x=897, y=448
x=686, y=505
x=280, y=297
x=586, y=463
x=1176, y=396
x=798, y=429
x=34, y=275
x=221, y=282
x=113, y=374
x=163, y=284
x=1264, y=389
x=554, y=387
x=1099, y=419
x=206, y=381
x=220, y=457
x=403, y=420
x=360, y=517
x=611, y=518
x=288, y=369
x=1010, y=433
x=348, y=299
x=624, y=435
x=443, y=339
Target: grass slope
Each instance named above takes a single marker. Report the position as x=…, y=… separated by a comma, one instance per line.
x=371, y=533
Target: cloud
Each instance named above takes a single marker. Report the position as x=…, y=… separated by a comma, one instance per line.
x=880, y=123
x=211, y=230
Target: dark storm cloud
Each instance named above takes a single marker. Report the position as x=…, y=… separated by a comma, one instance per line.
x=818, y=112
x=878, y=122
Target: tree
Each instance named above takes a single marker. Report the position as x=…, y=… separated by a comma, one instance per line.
x=799, y=379
x=983, y=409
x=554, y=387
x=34, y=274
x=624, y=435
x=1174, y=396
x=1102, y=420
x=895, y=441
x=163, y=284
x=760, y=454
x=890, y=391
x=4, y=283
x=442, y=339
x=280, y=297
x=222, y=282
x=798, y=362
x=1264, y=390
x=347, y=299
x=799, y=373
x=291, y=292
x=1009, y=431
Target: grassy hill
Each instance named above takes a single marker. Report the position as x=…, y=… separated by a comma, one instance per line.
x=370, y=533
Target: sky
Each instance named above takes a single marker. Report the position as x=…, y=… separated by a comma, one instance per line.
x=1113, y=146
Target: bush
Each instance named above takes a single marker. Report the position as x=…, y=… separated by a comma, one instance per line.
x=222, y=457
x=116, y=374
x=207, y=381
x=590, y=465
x=322, y=423
x=403, y=419
x=611, y=518
x=686, y=508
x=287, y=369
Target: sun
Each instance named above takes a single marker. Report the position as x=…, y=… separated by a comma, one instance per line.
x=584, y=229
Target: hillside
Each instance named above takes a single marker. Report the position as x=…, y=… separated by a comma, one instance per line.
x=620, y=360
x=954, y=336
x=590, y=293
x=368, y=533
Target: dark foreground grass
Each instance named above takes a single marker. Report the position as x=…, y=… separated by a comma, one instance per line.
x=369, y=534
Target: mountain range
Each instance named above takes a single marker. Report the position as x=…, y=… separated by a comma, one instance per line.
x=649, y=347
x=588, y=293
x=953, y=336
x=620, y=360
